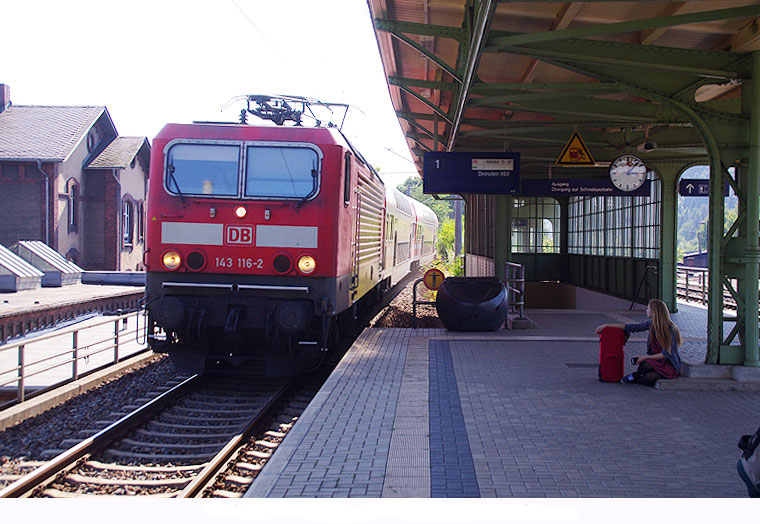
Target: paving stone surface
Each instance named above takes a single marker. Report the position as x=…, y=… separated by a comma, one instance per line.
x=540, y=428
x=518, y=413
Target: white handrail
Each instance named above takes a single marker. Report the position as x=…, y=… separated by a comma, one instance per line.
x=69, y=357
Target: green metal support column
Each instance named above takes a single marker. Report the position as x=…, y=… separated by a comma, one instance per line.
x=503, y=233
x=668, y=178
x=564, y=242
x=715, y=261
x=751, y=251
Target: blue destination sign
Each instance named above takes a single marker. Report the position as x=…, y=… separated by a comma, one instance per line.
x=467, y=172
x=534, y=187
x=697, y=187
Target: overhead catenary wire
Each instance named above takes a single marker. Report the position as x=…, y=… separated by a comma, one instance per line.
x=253, y=24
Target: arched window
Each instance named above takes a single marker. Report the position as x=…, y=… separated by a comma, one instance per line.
x=140, y=221
x=127, y=222
x=72, y=190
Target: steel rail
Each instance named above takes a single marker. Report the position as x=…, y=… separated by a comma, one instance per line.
x=23, y=486
x=208, y=474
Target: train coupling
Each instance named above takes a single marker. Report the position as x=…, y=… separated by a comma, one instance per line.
x=159, y=344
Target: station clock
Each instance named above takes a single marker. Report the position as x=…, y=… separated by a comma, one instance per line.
x=628, y=172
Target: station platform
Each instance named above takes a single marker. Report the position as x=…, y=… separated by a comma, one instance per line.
x=45, y=297
x=23, y=312
x=42, y=322
x=429, y=413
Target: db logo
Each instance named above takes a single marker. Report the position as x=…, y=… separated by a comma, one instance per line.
x=239, y=235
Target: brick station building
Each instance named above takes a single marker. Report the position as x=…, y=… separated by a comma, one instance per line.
x=68, y=179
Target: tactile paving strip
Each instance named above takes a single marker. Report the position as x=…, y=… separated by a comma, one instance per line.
x=452, y=470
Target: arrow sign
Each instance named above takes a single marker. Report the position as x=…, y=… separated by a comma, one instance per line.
x=693, y=187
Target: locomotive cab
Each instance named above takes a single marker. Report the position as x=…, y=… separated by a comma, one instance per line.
x=246, y=227
x=262, y=239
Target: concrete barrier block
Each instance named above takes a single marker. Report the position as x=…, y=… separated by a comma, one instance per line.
x=706, y=371
x=705, y=384
x=746, y=374
x=521, y=323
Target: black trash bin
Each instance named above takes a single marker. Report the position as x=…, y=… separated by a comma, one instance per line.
x=472, y=303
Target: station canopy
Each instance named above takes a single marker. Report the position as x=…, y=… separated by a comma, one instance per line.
x=646, y=77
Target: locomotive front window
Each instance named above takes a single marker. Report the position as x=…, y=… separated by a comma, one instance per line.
x=203, y=169
x=281, y=172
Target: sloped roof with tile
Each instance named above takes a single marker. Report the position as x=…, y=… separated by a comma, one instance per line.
x=48, y=133
x=119, y=153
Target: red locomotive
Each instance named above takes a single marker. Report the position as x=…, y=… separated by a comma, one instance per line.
x=259, y=239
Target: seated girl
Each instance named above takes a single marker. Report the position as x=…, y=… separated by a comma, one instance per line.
x=662, y=359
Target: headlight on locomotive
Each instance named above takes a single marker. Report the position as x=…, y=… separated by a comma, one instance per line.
x=307, y=264
x=171, y=260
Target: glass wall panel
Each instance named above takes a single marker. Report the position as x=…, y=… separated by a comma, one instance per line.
x=535, y=225
x=616, y=226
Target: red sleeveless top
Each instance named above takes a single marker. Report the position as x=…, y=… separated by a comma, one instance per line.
x=663, y=367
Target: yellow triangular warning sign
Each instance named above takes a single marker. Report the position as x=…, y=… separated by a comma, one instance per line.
x=575, y=153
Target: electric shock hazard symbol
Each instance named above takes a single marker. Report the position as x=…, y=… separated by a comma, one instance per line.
x=575, y=153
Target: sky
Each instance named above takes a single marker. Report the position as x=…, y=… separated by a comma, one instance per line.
x=153, y=62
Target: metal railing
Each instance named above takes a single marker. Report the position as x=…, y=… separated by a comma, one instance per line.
x=51, y=359
x=415, y=302
x=692, y=282
x=514, y=280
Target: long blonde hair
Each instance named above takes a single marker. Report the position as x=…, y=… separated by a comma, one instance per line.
x=661, y=324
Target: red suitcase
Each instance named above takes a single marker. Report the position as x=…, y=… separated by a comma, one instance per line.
x=611, y=358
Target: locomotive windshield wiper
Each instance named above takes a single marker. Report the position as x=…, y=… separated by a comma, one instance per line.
x=312, y=192
x=170, y=172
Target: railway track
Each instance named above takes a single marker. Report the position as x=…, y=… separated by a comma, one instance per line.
x=172, y=446
x=201, y=438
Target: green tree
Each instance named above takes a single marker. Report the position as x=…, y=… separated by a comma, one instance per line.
x=445, y=248
x=412, y=187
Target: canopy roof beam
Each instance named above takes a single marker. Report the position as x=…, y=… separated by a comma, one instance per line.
x=481, y=26
x=629, y=26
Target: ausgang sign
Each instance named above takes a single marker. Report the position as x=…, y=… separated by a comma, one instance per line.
x=467, y=172
x=535, y=187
